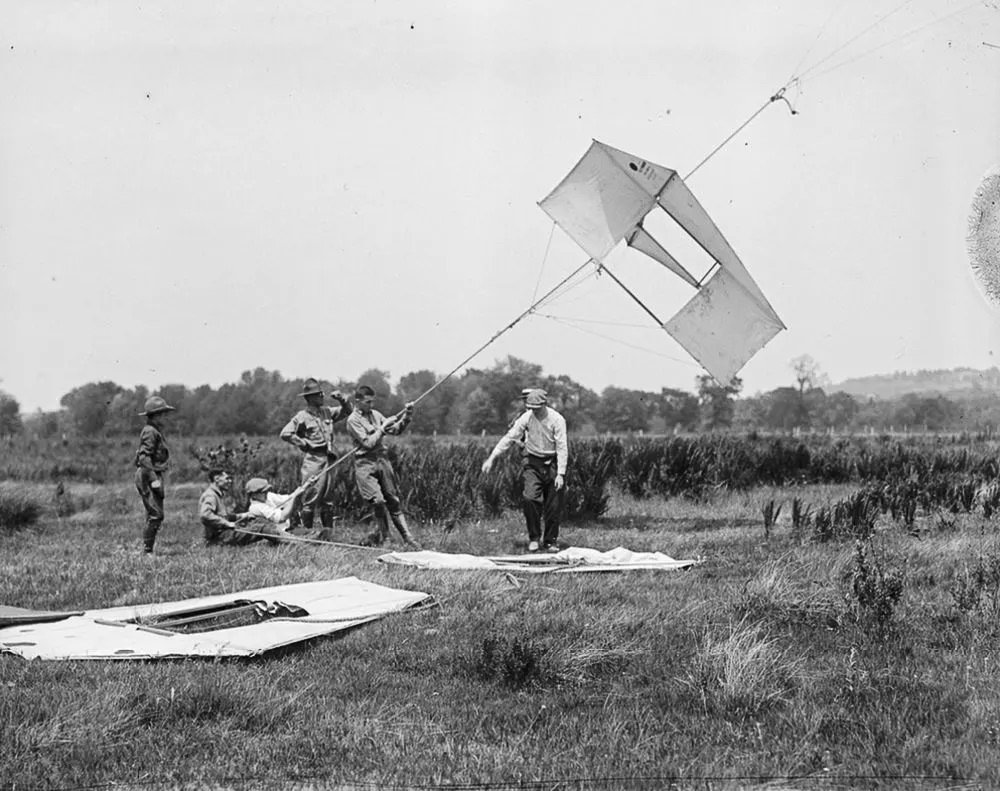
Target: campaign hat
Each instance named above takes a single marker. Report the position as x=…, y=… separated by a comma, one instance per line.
x=311, y=387
x=155, y=405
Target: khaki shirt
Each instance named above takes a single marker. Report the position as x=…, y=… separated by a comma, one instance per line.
x=153, y=453
x=213, y=512
x=311, y=429
x=363, y=429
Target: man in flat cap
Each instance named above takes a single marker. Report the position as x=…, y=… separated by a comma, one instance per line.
x=311, y=431
x=271, y=508
x=545, y=455
x=151, y=461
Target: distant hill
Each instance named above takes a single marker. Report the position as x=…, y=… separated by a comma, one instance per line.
x=956, y=383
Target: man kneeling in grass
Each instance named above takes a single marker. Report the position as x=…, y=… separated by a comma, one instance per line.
x=276, y=509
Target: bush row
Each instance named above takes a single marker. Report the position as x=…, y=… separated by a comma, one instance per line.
x=441, y=479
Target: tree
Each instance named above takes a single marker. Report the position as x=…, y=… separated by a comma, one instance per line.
x=88, y=406
x=480, y=414
x=621, y=410
x=124, y=409
x=10, y=415
x=678, y=409
x=503, y=384
x=716, y=403
x=839, y=410
x=570, y=399
x=431, y=414
x=807, y=377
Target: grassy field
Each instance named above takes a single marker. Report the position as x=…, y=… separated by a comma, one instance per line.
x=832, y=662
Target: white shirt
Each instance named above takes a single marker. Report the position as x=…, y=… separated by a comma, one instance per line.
x=270, y=508
x=545, y=437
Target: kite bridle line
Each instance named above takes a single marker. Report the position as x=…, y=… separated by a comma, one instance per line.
x=526, y=313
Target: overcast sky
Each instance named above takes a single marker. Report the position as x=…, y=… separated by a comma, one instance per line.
x=193, y=189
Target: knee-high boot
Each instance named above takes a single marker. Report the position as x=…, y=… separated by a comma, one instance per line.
x=404, y=531
x=149, y=536
x=381, y=532
x=306, y=515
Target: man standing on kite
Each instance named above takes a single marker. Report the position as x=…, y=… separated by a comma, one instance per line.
x=311, y=431
x=546, y=454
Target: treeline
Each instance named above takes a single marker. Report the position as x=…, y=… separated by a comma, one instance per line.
x=483, y=401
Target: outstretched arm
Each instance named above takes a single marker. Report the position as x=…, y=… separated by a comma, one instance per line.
x=513, y=434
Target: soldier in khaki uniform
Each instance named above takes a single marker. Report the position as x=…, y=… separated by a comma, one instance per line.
x=150, y=464
x=373, y=473
x=311, y=431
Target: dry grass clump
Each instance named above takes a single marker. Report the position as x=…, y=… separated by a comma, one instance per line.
x=743, y=672
x=801, y=590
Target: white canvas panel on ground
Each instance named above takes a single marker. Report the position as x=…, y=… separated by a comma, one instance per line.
x=645, y=243
x=597, y=204
x=574, y=559
x=723, y=326
x=679, y=202
x=330, y=606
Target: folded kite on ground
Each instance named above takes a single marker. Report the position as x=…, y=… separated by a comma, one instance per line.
x=252, y=622
x=574, y=559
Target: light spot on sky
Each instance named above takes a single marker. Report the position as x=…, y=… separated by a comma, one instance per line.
x=984, y=236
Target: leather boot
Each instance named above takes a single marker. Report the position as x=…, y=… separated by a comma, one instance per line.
x=306, y=516
x=381, y=532
x=326, y=517
x=149, y=537
x=404, y=531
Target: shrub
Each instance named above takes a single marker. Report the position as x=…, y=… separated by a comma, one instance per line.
x=515, y=661
x=18, y=508
x=875, y=589
x=978, y=588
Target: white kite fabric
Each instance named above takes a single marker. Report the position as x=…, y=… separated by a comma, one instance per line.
x=306, y=610
x=604, y=200
x=574, y=559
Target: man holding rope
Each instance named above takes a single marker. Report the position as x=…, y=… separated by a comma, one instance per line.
x=276, y=509
x=373, y=472
x=311, y=431
x=222, y=527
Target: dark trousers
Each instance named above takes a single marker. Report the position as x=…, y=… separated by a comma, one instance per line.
x=152, y=501
x=541, y=500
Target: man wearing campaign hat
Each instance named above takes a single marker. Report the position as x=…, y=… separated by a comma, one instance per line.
x=311, y=431
x=150, y=464
x=545, y=452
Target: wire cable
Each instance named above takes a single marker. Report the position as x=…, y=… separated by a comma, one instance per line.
x=898, y=38
x=855, y=37
x=545, y=257
x=623, y=343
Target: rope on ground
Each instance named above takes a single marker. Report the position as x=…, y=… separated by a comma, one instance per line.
x=291, y=538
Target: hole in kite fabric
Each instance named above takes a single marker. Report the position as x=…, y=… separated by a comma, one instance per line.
x=984, y=236
x=227, y=616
